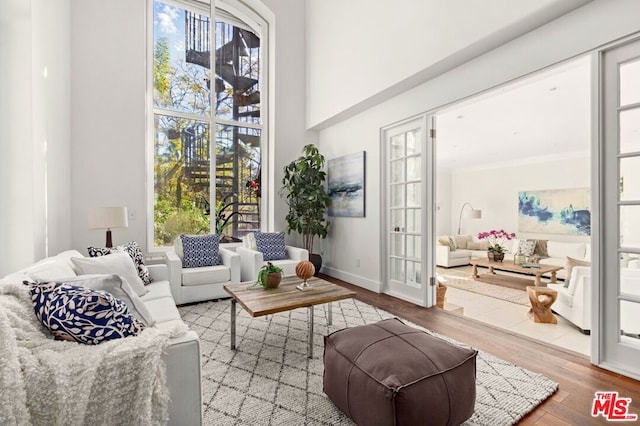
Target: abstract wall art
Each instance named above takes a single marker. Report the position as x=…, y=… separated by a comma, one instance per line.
x=555, y=211
x=346, y=185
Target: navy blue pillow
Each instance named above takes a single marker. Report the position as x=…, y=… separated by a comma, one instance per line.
x=82, y=314
x=271, y=244
x=200, y=250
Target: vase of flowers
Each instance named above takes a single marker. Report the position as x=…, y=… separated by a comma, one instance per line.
x=495, y=251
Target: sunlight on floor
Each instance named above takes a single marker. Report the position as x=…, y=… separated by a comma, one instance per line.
x=514, y=318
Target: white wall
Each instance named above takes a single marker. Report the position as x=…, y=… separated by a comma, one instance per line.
x=109, y=104
x=34, y=190
x=288, y=106
x=495, y=192
x=593, y=25
x=108, y=59
x=360, y=54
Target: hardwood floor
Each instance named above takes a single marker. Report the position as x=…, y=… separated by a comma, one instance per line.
x=578, y=378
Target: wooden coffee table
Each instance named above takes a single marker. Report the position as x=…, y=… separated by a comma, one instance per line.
x=508, y=265
x=286, y=297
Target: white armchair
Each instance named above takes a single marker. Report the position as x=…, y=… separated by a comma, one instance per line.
x=204, y=283
x=574, y=302
x=251, y=260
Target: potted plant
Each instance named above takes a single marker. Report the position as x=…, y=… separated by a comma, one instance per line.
x=307, y=199
x=496, y=238
x=269, y=276
x=223, y=217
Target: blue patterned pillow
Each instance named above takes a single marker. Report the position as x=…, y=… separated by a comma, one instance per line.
x=200, y=250
x=271, y=244
x=82, y=314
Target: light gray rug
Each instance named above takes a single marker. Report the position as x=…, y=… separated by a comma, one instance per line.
x=461, y=278
x=270, y=381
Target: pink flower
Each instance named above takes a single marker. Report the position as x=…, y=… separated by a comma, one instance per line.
x=496, y=239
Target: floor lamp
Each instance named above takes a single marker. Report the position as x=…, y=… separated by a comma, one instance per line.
x=108, y=218
x=474, y=214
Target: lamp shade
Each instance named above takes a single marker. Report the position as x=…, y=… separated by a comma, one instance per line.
x=108, y=217
x=475, y=214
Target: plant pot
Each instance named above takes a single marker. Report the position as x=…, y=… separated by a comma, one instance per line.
x=316, y=259
x=441, y=290
x=272, y=280
x=495, y=257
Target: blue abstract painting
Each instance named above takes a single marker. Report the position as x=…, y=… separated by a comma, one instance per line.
x=345, y=185
x=555, y=211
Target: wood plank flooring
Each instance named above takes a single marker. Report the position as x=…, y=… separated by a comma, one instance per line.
x=578, y=378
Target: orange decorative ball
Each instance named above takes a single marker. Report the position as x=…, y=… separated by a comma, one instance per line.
x=305, y=270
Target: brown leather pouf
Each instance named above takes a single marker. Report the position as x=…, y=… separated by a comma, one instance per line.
x=388, y=373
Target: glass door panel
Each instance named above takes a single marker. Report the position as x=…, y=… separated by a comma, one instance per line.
x=618, y=337
x=404, y=177
x=630, y=130
x=630, y=83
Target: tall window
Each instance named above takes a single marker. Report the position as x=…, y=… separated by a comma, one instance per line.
x=207, y=125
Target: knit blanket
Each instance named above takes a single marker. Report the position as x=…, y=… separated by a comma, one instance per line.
x=49, y=382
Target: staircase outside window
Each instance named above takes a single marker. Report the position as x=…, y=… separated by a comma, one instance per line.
x=186, y=154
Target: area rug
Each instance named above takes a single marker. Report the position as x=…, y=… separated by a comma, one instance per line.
x=269, y=380
x=461, y=278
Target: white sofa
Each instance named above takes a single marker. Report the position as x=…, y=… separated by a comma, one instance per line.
x=447, y=258
x=574, y=302
x=182, y=355
x=251, y=260
x=557, y=251
x=205, y=283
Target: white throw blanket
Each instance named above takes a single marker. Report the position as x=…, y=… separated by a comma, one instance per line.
x=49, y=382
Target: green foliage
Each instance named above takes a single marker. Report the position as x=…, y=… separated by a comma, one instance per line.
x=170, y=222
x=162, y=70
x=306, y=196
x=222, y=216
x=264, y=272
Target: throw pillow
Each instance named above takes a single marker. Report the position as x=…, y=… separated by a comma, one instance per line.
x=527, y=247
x=515, y=246
x=81, y=314
x=479, y=245
x=444, y=241
x=200, y=250
x=120, y=289
x=462, y=241
x=271, y=244
x=571, y=262
x=133, y=250
x=541, y=248
x=115, y=263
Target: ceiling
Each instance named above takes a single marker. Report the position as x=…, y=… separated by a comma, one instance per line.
x=543, y=116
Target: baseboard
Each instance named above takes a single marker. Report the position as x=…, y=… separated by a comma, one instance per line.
x=363, y=282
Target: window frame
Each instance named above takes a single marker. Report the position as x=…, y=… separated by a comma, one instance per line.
x=241, y=14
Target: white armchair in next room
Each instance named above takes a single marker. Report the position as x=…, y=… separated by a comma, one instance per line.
x=252, y=259
x=201, y=283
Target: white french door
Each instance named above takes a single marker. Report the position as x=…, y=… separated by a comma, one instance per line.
x=618, y=336
x=408, y=183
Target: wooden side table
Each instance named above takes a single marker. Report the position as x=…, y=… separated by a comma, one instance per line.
x=541, y=299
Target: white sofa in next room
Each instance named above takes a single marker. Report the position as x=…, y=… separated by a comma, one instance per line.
x=467, y=247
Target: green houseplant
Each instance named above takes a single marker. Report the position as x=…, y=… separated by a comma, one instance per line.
x=307, y=199
x=269, y=276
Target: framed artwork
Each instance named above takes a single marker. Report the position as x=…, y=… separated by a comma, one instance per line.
x=346, y=185
x=555, y=211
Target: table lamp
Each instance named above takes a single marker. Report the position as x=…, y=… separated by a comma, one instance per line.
x=108, y=218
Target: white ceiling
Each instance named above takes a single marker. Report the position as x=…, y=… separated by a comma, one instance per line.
x=544, y=116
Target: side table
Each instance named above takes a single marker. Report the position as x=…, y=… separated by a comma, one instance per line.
x=541, y=299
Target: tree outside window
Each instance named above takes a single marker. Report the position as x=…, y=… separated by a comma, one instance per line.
x=192, y=190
